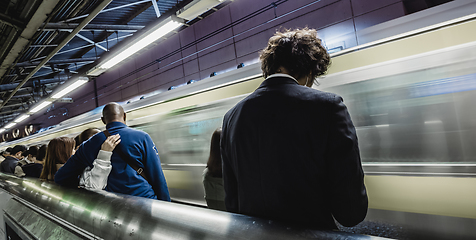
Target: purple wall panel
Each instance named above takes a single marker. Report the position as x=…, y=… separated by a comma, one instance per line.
x=170, y=75
x=108, y=76
x=195, y=76
x=87, y=103
x=167, y=46
x=190, y=67
x=187, y=36
x=379, y=16
x=171, y=62
x=364, y=6
x=241, y=9
x=148, y=84
x=253, y=43
x=130, y=91
x=217, y=20
x=322, y=17
x=110, y=97
x=217, y=57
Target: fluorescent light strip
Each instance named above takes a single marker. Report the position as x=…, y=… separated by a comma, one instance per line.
x=23, y=117
x=2, y=130
x=69, y=88
x=10, y=125
x=41, y=106
x=152, y=37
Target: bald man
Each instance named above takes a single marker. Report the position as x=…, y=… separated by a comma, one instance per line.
x=135, y=144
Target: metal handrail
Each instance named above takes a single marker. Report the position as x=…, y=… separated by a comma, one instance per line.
x=105, y=215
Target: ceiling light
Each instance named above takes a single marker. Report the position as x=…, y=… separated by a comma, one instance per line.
x=164, y=27
x=21, y=118
x=10, y=125
x=81, y=81
x=41, y=106
x=196, y=8
x=2, y=130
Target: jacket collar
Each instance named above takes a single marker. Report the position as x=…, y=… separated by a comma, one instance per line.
x=278, y=79
x=115, y=125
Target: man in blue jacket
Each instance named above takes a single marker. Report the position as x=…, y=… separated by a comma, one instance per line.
x=136, y=145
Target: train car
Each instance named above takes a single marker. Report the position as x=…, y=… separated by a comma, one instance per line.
x=410, y=95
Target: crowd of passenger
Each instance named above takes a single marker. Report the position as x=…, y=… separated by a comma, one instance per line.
x=43, y=161
x=286, y=152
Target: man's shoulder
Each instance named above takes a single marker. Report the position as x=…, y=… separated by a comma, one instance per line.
x=135, y=132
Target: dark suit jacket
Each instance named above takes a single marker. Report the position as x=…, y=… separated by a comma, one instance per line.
x=290, y=153
x=8, y=165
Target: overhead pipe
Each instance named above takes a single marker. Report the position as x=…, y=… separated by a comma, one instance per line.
x=58, y=62
x=11, y=86
x=90, y=17
x=69, y=26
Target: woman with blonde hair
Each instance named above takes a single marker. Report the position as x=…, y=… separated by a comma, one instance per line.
x=58, y=152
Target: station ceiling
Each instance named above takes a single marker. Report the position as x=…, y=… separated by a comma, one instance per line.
x=45, y=43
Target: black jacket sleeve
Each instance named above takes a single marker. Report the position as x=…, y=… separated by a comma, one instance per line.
x=229, y=178
x=349, y=201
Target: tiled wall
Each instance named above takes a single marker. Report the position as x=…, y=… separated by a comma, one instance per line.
x=336, y=21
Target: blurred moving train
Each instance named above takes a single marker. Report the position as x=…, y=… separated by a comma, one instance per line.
x=411, y=97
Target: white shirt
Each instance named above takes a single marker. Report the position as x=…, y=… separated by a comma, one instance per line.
x=96, y=177
x=282, y=75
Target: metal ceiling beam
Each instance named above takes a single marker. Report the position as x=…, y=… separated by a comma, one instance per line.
x=46, y=45
x=41, y=14
x=156, y=8
x=91, y=41
x=107, y=10
x=11, y=86
x=58, y=62
x=67, y=27
x=90, y=17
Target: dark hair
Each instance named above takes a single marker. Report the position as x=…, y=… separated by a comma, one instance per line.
x=86, y=134
x=9, y=150
x=299, y=51
x=24, y=153
x=33, y=150
x=58, y=152
x=41, y=153
x=77, y=142
x=18, y=148
x=214, y=161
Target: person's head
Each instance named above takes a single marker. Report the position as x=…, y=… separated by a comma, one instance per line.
x=86, y=134
x=298, y=53
x=113, y=112
x=24, y=154
x=41, y=153
x=58, y=152
x=7, y=152
x=17, y=151
x=32, y=152
x=214, y=161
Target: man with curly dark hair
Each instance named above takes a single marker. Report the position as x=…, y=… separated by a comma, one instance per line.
x=289, y=151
